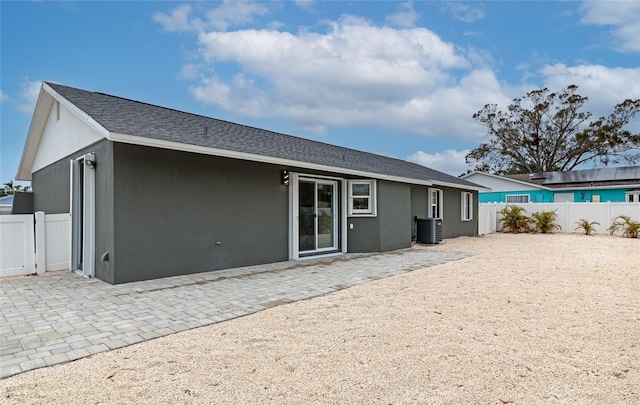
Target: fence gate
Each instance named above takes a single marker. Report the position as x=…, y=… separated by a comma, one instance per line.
x=17, y=245
x=29, y=245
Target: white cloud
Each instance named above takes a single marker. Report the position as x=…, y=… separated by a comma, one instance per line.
x=622, y=16
x=406, y=16
x=28, y=95
x=179, y=20
x=227, y=14
x=3, y=97
x=464, y=12
x=450, y=161
x=304, y=4
x=190, y=72
x=605, y=86
x=354, y=74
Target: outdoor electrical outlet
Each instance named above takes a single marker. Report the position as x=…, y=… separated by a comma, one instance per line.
x=218, y=243
x=350, y=226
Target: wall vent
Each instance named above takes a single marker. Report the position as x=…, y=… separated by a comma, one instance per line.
x=57, y=111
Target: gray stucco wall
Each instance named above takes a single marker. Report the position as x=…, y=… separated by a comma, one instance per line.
x=51, y=194
x=172, y=208
x=362, y=234
x=50, y=187
x=390, y=229
x=22, y=203
x=419, y=206
x=452, y=224
x=394, y=203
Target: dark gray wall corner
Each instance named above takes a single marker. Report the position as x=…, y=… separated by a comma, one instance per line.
x=180, y=213
x=419, y=206
x=394, y=202
x=452, y=224
x=51, y=194
x=22, y=203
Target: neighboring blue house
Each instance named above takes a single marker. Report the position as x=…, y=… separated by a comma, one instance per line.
x=614, y=184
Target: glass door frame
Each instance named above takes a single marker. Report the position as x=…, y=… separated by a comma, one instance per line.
x=316, y=214
x=339, y=202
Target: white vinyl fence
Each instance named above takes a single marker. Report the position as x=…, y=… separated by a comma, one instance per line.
x=568, y=214
x=34, y=243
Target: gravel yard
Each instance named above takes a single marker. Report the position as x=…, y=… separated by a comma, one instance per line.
x=530, y=319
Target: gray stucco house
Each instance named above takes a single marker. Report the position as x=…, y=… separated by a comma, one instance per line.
x=154, y=192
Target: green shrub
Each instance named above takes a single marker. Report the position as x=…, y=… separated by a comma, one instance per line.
x=629, y=227
x=586, y=226
x=513, y=218
x=545, y=221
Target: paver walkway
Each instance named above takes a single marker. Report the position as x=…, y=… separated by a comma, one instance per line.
x=61, y=317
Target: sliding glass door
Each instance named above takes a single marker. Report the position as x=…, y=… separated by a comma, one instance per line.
x=317, y=215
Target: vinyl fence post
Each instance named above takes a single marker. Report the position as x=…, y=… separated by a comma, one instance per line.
x=41, y=253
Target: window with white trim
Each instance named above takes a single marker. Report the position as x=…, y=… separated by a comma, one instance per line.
x=563, y=197
x=467, y=206
x=517, y=199
x=362, y=197
x=435, y=203
x=632, y=196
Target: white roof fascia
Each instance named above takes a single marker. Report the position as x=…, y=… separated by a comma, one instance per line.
x=78, y=112
x=40, y=115
x=36, y=127
x=477, y=187
x=507, y=179
x=158, y=143
x=635, y=185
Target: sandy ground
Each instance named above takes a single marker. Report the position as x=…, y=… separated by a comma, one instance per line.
x=530, y=319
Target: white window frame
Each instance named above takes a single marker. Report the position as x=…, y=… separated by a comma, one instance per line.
x=632, y=196
x=563, y=197
x=435, y=202
x=519, y=197
x=466, y=206
x=372, y=210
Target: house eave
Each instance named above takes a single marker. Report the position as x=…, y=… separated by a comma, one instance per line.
x=46, y=98
x=157, y=143
x=611, y=187
x=477, y=187
x=533, y=185
x=34, y=135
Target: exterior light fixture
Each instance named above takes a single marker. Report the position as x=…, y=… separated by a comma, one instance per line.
x=91, y=163
x=284, y=177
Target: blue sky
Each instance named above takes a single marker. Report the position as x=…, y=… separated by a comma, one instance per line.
x=401, y=79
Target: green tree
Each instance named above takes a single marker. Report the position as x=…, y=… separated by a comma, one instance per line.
x=546, y=131
x=9, y=188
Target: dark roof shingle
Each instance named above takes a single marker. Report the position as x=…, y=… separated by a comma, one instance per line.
x=140, y=119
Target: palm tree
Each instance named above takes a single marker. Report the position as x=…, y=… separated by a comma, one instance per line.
x=10, y=189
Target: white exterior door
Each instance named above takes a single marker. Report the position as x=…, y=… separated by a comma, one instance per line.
x=83, y=215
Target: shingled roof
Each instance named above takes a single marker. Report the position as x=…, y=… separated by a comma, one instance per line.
x=608, y=176
x=133, y=118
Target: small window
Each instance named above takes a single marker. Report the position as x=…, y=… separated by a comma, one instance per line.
x=517, y=199
x=362, y=197
x=633, y=196
x=563, y=197
x=435, y=203
x=467, y=206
